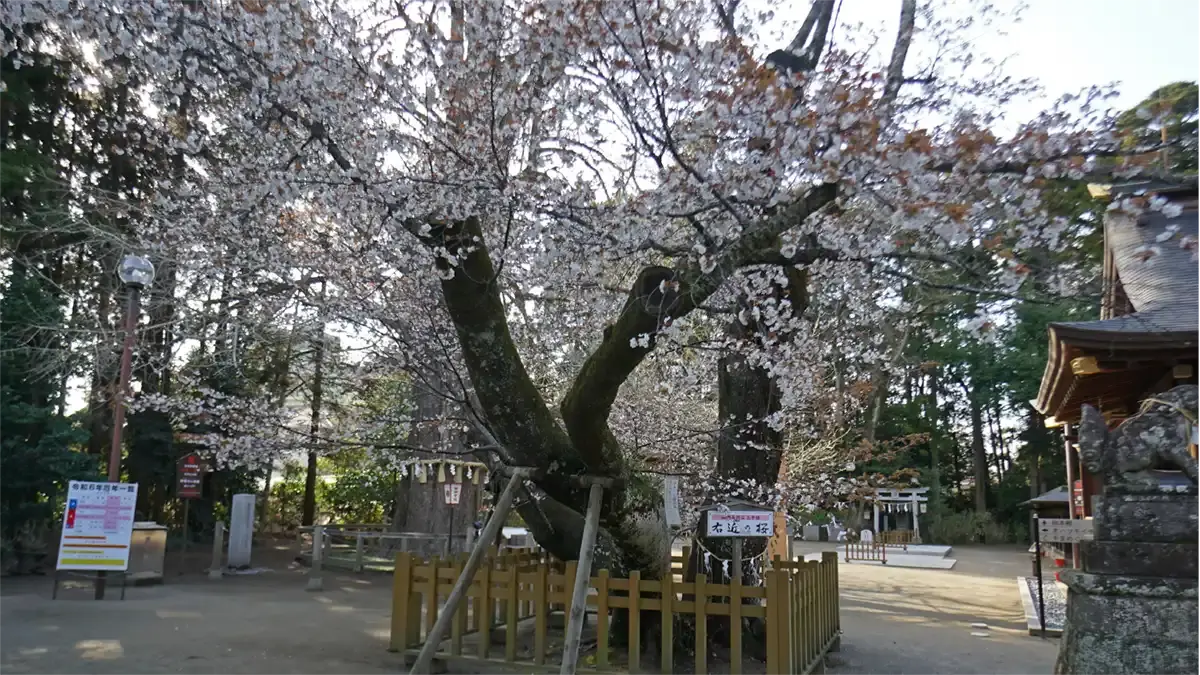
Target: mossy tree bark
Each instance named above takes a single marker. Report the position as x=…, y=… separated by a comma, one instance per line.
x=518, y=417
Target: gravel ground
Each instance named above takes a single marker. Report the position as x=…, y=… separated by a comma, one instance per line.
x=1053, y=599
x=894, y=621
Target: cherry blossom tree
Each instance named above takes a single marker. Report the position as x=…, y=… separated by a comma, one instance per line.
x=523, y=202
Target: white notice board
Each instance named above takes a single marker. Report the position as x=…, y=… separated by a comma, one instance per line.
x=97, y=526
x=1065, y=530
x=740, y=523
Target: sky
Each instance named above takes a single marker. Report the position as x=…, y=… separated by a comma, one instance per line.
x=1071, y=44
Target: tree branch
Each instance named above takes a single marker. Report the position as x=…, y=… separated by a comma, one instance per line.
x=895, y=71
x=514, y=409
x=659, y=296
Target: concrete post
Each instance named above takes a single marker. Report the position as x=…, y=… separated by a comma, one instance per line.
x=241, y=530
x=214, y=569
x=876, y=528
x=358, y=553
x=583, y=573
x=315, y=580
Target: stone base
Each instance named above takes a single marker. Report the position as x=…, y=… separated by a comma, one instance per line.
x=144, y=579
x=1124, y=624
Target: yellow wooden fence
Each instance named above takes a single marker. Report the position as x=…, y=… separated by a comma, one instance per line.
x=900, y=538
x=866, y=550
x=799, y=603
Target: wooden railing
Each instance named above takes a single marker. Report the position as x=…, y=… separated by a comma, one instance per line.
x=898, y=538
x=866, y=550
x=799, y=604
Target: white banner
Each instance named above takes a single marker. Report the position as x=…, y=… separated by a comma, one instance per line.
x=671, y=501
x=97, y=526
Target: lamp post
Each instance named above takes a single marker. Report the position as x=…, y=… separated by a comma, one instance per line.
x=135, y=273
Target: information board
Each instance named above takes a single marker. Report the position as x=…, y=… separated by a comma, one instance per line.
x=190, y=476
x=740, y=523
x=452, y=492
x=97, y=526
x=1065, y=530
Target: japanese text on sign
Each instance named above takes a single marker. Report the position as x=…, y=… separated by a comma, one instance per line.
x=97, y=526
x=190, y=476
x=740, y=523
x=452, y=492
x=1065, y=530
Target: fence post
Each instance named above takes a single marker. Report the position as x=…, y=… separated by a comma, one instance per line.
x=668, y=622
x=830, y=558
x=510, y=617
x=635, y=623
x=401, y=597
x=602, y=620
x=701, y=600
x=775, y=634
x=214, y=570
x=540, y=584
x=358, y=553
x=735, y=626
x=315, y=582
x=457, y=628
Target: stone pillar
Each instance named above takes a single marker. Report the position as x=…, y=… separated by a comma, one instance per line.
x=241, y=531
x=1132, y=608
x=876, y=529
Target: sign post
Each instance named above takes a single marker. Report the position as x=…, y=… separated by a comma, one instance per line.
x=189, y=477
x=97, y=528
x=1037, y=552
x=452, y=495
x=1057, y=531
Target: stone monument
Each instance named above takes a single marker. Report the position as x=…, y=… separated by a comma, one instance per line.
x=241, y=531
x=1132, y=608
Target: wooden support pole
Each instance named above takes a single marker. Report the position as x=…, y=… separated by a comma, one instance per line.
x=583, y=572
x=490, y=532
x=737, y=558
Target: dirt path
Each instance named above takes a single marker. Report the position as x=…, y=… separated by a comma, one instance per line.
x=898, y=620
x=894, y=621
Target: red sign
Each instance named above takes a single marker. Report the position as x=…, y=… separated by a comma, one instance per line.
x=190, y=476
x=1077, y=498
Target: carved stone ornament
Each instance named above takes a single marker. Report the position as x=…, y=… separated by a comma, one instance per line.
x=1155, y=439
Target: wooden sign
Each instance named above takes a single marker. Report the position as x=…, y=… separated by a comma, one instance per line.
x=189, y=476
x=740, y=523
x=452, y=493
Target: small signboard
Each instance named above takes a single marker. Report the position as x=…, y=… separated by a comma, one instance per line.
x=671, y=501
x=740, y=523
x=189, y=476
x=1065, y=530
x=452, y=493
x=97, y=526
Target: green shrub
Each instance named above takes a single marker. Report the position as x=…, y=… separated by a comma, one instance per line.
x=968, y=527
